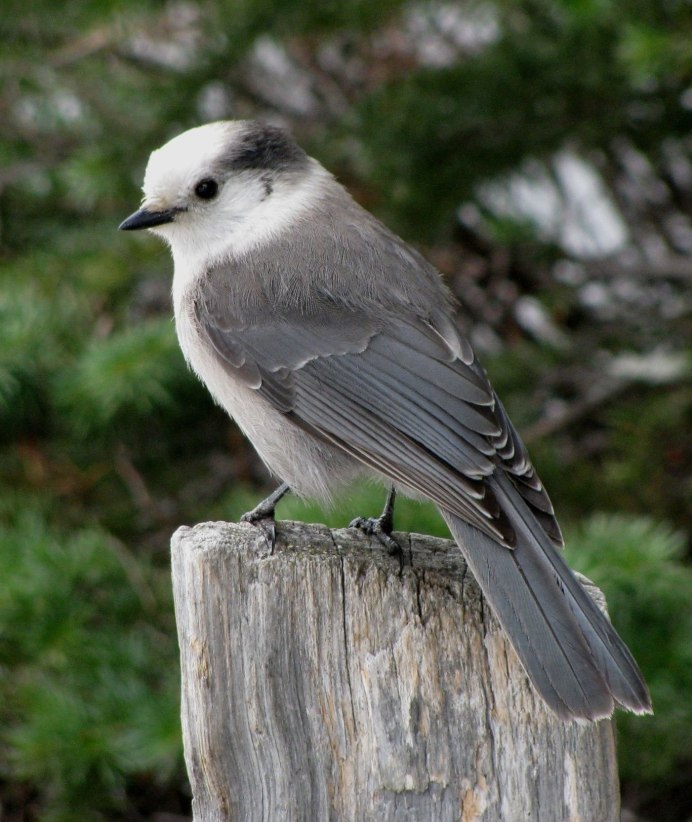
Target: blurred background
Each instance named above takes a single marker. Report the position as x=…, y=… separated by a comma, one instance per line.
x=539, y=152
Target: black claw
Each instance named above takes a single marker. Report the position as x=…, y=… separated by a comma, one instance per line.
x=268, y=528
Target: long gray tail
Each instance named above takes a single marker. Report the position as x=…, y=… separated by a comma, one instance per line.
x=572, y=654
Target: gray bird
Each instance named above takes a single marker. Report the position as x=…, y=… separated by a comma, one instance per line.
x=334, y=346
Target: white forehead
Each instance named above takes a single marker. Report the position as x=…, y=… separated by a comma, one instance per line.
x=185, y=159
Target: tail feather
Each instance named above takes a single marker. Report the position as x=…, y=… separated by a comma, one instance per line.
x=569, y=649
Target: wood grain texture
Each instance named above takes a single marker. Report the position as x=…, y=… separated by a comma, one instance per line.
x=321, y=682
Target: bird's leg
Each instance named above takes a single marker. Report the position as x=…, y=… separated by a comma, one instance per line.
x=381, y=527
x=262, y=515
x=265, y=510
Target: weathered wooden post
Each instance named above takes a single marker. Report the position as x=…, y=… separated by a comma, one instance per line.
x=322, y=682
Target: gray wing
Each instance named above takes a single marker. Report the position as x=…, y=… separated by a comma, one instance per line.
x=406, y=398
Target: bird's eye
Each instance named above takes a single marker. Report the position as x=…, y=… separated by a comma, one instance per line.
x=207, y=189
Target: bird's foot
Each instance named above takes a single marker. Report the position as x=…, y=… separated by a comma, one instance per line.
x=381, y=528
x=373, y=527
x=262, y=516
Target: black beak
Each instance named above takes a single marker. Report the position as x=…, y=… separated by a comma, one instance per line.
x=148, y=219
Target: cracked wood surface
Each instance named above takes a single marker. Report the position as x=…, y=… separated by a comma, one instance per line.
x=321, y=682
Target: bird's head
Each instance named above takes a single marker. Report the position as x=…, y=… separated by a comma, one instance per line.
x=224, y=187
